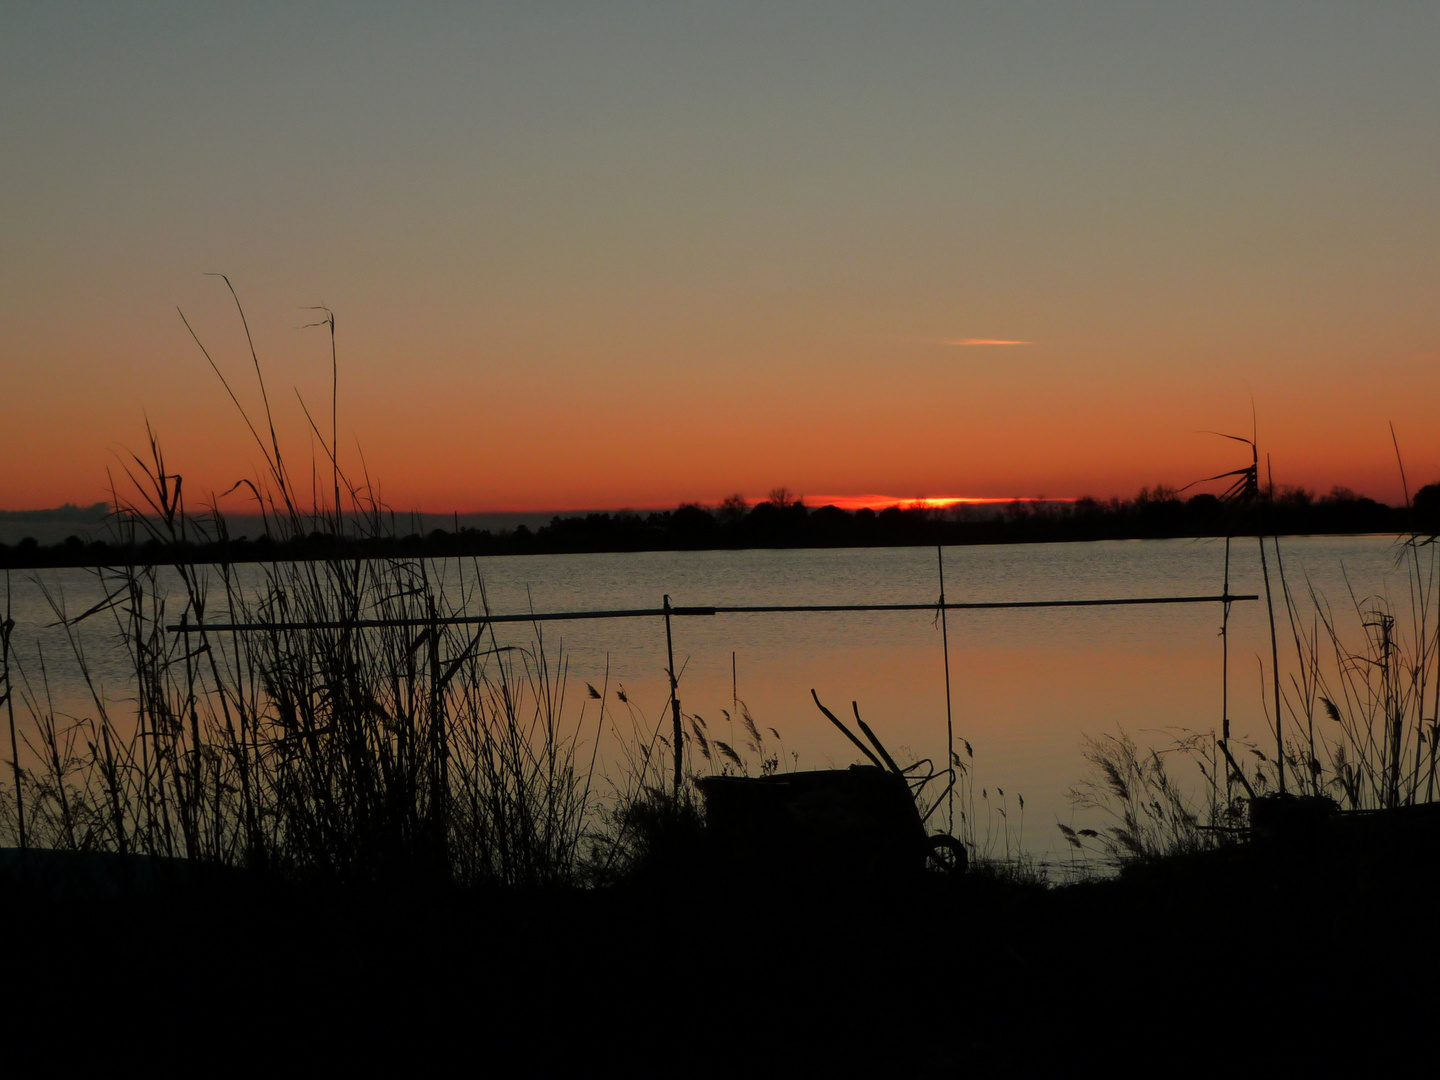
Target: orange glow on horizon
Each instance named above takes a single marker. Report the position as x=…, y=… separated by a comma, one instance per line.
x=939, y=502
x=812, y=502
x=583, y=260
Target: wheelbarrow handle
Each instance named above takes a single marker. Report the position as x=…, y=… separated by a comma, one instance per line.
x=876, y=742
x=844, y=730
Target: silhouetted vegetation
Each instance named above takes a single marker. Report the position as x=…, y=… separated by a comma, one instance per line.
x=364, y=815
x=780, y=522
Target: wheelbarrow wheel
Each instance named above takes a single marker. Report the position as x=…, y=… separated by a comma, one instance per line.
x=948, y=854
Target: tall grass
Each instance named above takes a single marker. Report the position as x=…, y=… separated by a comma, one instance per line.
x=1361, y=702
x=1359, y=698
x=1146, y=811
x=358, y=734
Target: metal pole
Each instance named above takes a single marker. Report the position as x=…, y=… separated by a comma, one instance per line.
x=1274, y=668
x=674, y=704
x=440, y=796
x=1225, y=673
x=949, y=718
x=6, y=629
x=737, y=609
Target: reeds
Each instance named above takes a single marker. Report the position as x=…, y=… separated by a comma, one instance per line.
x=1361, y=701
x=1149, y=813
x=312, y=745
x=1354, y=720
x=415, y=748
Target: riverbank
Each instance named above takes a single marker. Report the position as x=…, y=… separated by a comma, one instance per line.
x=1182, y=965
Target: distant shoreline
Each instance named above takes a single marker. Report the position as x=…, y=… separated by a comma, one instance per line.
x=1150, y=516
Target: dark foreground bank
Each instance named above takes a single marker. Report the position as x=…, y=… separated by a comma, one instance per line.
x=1243, y=959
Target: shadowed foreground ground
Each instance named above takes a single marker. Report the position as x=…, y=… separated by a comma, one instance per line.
x=1216, y=963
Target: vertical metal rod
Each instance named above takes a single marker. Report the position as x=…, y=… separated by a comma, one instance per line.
x=335, y=422
x=949, y=717
x=190, y=801
x=439, y=799
x=674, y=704
x=5, y=631
x=1434, y=713
x=1274, y=666
x=1225, y=671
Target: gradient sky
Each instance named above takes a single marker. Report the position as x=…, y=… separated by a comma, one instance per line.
x=597, y=255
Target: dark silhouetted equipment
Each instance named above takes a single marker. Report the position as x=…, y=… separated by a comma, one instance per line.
x=863, y=822
x=856, y=822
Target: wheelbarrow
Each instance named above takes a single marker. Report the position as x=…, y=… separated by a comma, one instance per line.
x=861, y=822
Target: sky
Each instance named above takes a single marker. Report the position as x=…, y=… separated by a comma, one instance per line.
x=605, y=255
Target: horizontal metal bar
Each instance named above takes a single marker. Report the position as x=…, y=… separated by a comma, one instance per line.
x=985, y=605
x=644, y=613
x=452, y=620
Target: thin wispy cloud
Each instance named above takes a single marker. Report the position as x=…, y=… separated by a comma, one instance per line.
x=984, y=341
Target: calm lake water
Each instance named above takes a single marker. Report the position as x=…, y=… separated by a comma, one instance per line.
x=1027, y=685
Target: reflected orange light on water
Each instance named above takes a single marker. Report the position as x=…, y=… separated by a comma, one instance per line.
x=1027, y=686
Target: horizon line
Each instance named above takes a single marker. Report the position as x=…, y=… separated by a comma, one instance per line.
x=844, y=502
x=871, y=501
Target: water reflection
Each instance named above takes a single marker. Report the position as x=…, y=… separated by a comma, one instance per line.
x=1027, y=684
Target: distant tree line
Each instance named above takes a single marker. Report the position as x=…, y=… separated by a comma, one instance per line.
x=784, y=522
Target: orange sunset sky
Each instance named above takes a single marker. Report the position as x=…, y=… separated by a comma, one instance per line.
x=604, y=255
